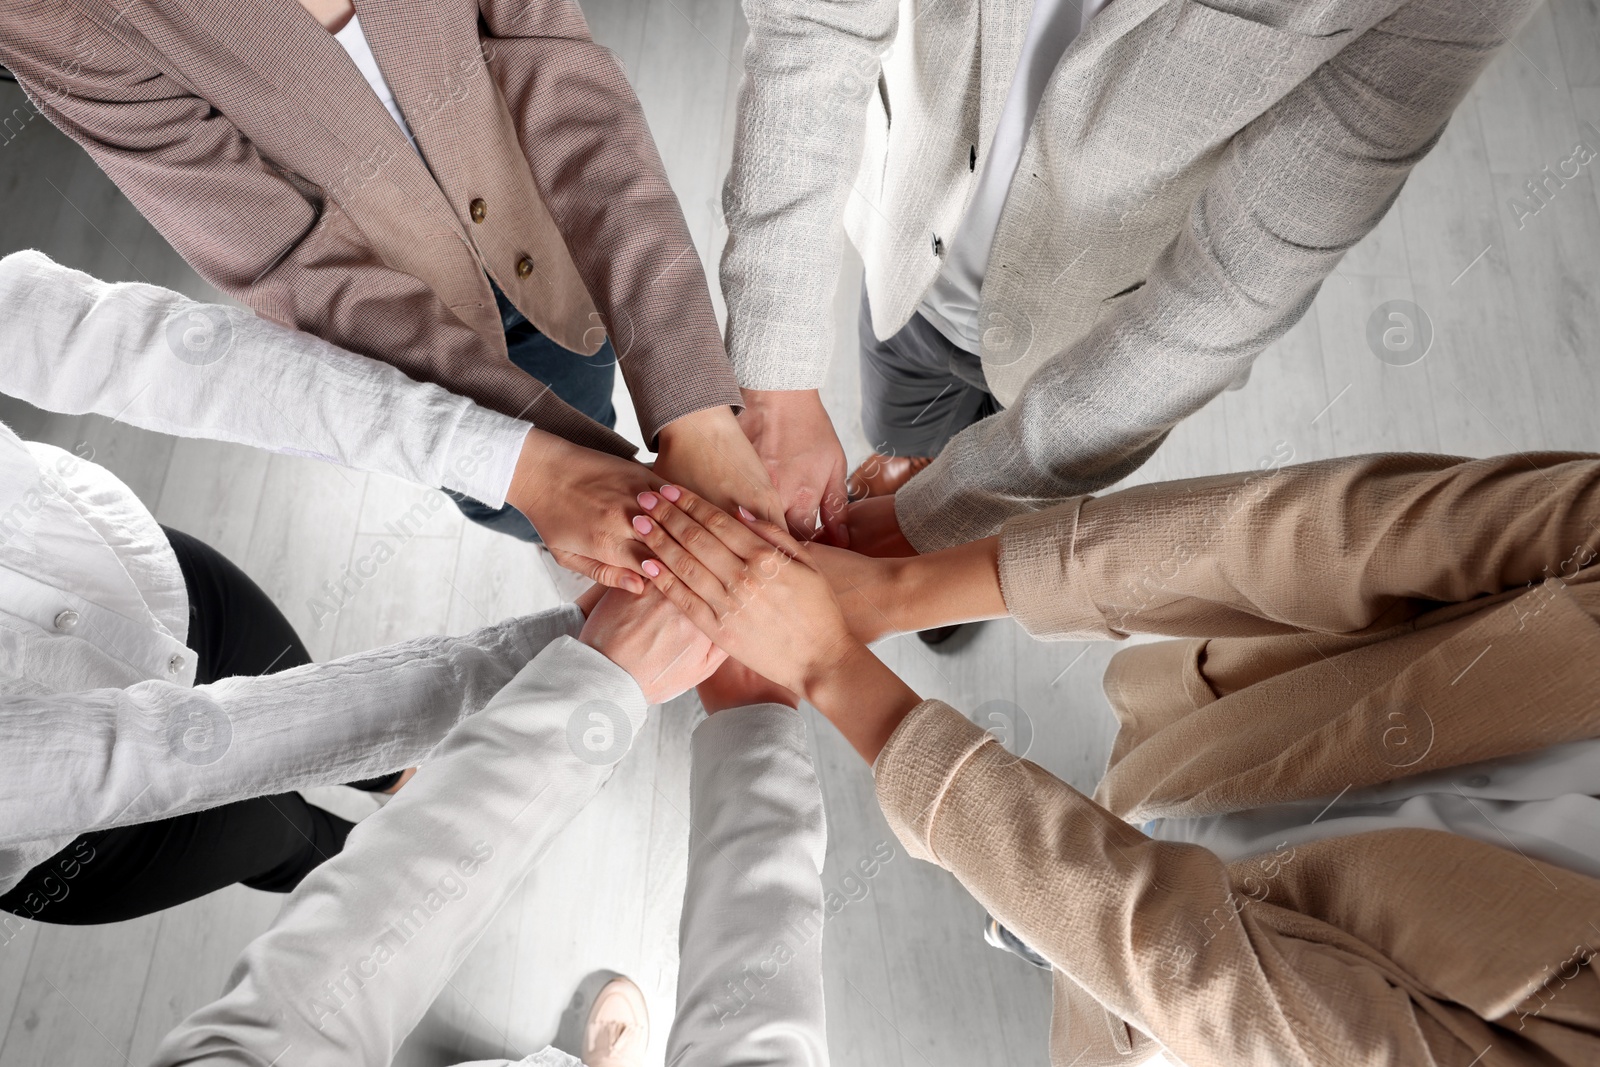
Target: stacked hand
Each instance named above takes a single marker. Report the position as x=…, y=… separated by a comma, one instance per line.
x=579, y=499
x=575, y=496
x=761, y=596
x=796, y=441
x=651, y=640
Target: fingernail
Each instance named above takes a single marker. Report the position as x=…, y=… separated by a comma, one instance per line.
x=651, y=567
x=744, y=513
x=642, y=524
x=648, y=501
x=671, y=492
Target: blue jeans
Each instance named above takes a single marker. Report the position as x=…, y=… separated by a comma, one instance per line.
x=582, y=381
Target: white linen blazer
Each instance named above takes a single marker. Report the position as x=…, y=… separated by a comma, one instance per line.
x=1194, y=171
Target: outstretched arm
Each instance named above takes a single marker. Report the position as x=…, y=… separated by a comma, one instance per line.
x=750, y=942
x=151, y=357
x=365, y=944
x=117, y=757
x=1333, y=546
x=1293, y=192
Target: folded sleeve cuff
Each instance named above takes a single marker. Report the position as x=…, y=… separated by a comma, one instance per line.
x=1043, y=580
x=482, y=454
x=917, y=767
x=937, y=510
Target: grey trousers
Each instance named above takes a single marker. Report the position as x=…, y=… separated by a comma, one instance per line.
x=918, y=390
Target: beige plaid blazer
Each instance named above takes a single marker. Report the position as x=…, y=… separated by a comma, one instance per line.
x=1344, y=623
x=247, y=136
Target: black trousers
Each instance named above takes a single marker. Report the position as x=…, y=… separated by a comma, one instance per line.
x=268, y=843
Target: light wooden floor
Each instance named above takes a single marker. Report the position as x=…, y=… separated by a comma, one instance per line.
x=910, y=982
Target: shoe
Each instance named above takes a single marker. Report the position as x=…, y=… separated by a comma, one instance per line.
x=618, y=1031
x=881, y=475
x=1006, y=941
x=939, y=634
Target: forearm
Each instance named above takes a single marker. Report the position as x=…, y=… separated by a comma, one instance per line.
x=153, y=358
x=1144, y=927
x=953, y=585
x=596, y=166
x=753, y=899
x=860, y=696
x=367, y=942
x=155, y=750
x=811, y=69
x=1230, y=555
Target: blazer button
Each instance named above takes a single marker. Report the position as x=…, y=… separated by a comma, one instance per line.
x=67, y=620
x=938, y=246
x=524, y=267
x=479, y=209
x=175, y=665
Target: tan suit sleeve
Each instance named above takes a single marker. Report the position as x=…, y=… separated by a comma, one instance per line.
x=595, y=163
x=1333, y=546
x=1154, y=931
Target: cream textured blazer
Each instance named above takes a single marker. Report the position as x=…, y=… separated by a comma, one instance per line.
x=1194, y=171
x=1324, y=607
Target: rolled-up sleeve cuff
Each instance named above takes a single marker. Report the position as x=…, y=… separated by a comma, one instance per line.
x=936, y=510
x=917, y=768
x=1043, y=580
x=482, y=454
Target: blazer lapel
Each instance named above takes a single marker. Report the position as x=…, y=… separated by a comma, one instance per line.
x=1518, y=679
x=283, y=44
x=413, y=50
x=1514, y=678
x=367, y=166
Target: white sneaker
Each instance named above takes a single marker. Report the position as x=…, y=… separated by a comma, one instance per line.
x=618, y=1031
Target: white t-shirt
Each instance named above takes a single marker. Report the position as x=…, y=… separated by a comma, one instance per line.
x=951, y=304
x=353, y=41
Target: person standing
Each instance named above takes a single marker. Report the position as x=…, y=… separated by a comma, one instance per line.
x=158, y=711
x=1079, y=224
x=465, y=190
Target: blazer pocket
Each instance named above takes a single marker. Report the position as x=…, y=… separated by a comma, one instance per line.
x=1135, y=287
x=1232, y=27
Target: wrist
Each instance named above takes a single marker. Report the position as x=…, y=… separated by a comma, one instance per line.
x=953, y=585
x=861, y=696
x=540, y=455
x=706, y=421
x=905, y=582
